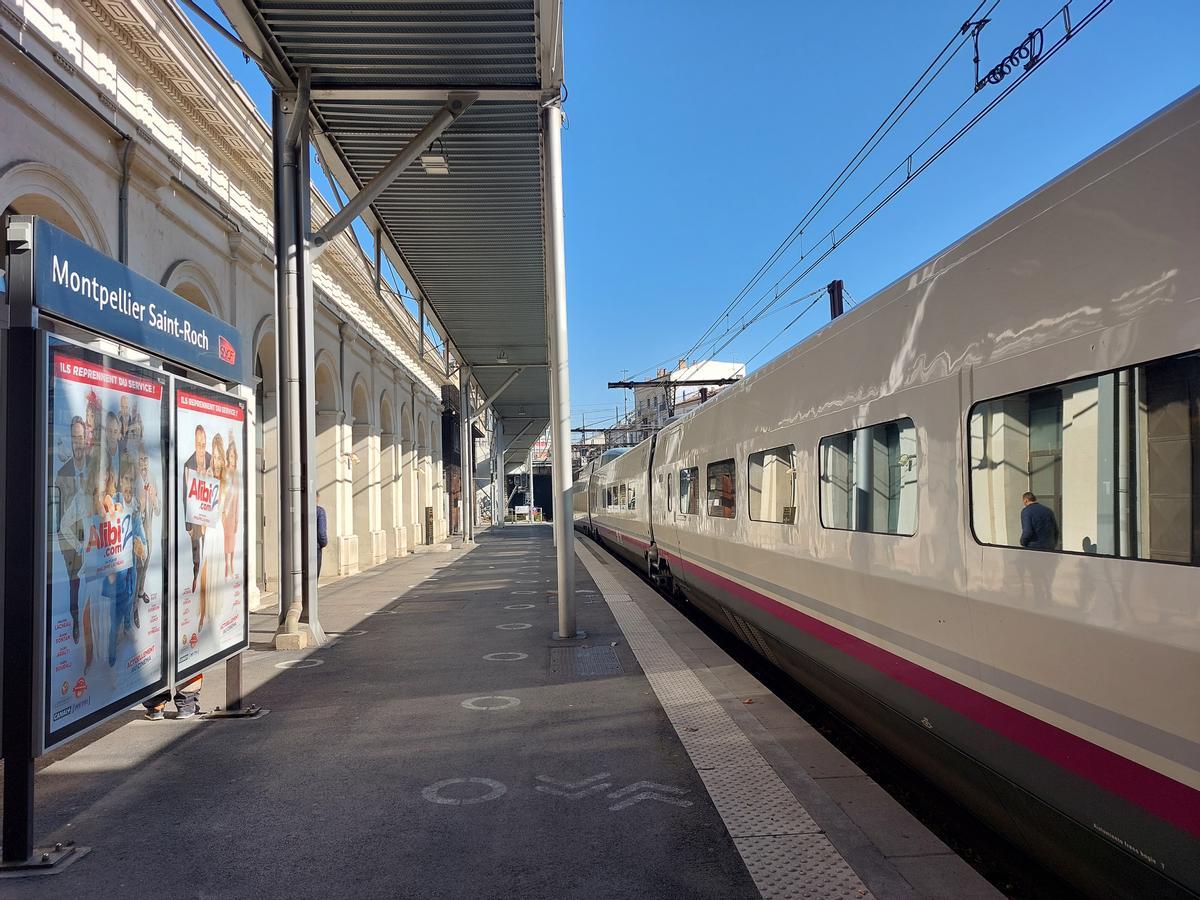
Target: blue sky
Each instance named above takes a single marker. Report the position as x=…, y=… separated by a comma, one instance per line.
x=699, y=137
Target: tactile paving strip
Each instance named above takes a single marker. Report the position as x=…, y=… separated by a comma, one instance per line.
x=781, y=845
x=799, y=867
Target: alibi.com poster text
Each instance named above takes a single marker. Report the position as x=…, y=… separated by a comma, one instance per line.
x=106, y=570
x=210, y=541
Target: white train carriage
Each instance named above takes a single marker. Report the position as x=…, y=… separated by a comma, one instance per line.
x=621, y=502
x=854, y=510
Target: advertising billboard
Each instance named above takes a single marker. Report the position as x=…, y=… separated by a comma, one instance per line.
x=210, y=620
x=106, y=516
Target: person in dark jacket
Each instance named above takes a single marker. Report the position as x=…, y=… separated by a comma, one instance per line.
x=1039, y=529
x=322, y=533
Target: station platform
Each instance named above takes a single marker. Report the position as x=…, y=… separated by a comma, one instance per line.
x=444, y=745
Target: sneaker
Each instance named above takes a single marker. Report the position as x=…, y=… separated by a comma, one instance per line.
x=188, y=713
x=155, y=715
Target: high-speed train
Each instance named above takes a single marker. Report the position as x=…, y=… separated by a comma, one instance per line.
x=856, y=511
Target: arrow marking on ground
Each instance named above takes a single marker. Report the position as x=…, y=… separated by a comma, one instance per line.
x=646, y=790
x=571, y=793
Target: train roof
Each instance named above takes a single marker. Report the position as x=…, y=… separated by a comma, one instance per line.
x=1186, y=108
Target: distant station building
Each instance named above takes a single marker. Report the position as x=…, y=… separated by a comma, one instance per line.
x=656, y=404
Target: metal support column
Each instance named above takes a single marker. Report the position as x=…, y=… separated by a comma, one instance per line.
x=22, y=454
x=499, y=503
x=560, y=410
x=465, y=462
x=529, y=492
x=293, y=316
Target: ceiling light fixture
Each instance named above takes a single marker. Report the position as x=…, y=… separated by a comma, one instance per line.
x=436, y=162
x=502, y=356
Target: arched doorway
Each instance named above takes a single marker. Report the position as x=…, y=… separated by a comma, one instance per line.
x=422, y=451
x=408, y=473
x=192, y=282
x=33, y=188
x=389, y=478
x=365, y=473
x=340, y=557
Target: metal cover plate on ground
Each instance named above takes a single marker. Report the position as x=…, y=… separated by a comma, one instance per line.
x=585, y=662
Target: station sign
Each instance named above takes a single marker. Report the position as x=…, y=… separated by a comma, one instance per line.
x=83, y=286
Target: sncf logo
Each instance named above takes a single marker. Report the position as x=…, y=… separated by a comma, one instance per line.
x=226, y=351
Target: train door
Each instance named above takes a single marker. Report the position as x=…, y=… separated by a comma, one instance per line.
x=668, y=515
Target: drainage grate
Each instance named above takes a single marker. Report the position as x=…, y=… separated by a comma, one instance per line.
x=585, y=662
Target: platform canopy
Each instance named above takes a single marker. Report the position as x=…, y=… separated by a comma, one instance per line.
x=468, y=237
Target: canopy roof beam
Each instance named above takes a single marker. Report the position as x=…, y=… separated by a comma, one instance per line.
x=376, y=94
x=457, y=103
x=496, y=393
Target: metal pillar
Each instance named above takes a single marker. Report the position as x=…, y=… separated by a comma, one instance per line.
x=499, y=498
x=529, y=493
x=560, y=410
x=466, y=444
x=294, y=317
x=23, y=574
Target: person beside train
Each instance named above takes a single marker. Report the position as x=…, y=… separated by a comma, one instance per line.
x=1039, y=528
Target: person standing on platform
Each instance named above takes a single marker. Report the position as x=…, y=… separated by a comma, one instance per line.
x=322, y=533
x=1039, y=528
x=187, y=700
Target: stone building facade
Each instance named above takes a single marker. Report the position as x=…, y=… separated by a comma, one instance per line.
x=120, y=125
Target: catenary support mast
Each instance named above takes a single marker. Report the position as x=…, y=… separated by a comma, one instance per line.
x=560, y=409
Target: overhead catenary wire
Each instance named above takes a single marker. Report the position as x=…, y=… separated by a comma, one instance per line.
x=868, y=147
x=832, y=236
x=1033, y=66
x=821, y=204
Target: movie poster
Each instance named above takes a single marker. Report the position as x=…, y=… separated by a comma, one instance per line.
x=210, y=539
x=106, y=517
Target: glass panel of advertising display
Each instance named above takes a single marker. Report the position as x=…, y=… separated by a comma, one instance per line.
x=210, y=533
x=106, y=513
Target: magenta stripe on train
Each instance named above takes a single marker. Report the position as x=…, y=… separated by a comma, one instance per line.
x=1166, y=798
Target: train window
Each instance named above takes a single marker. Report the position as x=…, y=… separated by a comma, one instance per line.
x=689, y=491
x=622, y=496
x=771, y=477
x=632, y=497
x=869, y=479
x=668, y=492
x=721, y=489
x=1112, y=462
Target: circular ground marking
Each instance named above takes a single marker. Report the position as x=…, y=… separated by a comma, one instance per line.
x=346, y=633
x=300, y=663
x=490, y=703
x=584, y=591
x=514, y=626
x=524, y=592
x=506, y=657
x=520, y=606
x=433, y=793
x=382, y=612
